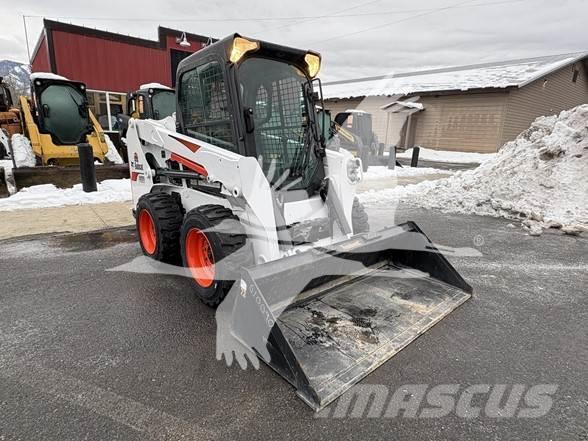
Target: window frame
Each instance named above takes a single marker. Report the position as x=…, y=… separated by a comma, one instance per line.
x=107, y=94
x=233, y=123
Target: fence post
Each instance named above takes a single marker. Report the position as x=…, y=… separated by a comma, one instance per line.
x=414, y=162
x=87, y=168
x=3, y=184
x=392, y=158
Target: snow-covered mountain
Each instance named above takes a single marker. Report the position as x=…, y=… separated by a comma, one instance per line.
x=16, y=75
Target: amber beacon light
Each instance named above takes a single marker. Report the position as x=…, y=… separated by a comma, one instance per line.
x=313, y=64
x=240, y=47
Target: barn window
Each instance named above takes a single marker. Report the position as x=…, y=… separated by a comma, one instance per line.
x=575, y=74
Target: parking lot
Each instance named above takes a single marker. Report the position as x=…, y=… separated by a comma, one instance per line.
x=91, y=354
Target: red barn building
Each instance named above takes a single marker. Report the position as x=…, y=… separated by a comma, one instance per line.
x=111, y=64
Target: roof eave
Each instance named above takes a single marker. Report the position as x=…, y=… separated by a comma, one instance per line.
x=553, y=69
x=434, y=92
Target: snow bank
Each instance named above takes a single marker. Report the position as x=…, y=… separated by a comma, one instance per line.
x=540, y=178
x=112, y=154
x=382, y=172
x=44, y=196
x=23, y=151
x=447, y=156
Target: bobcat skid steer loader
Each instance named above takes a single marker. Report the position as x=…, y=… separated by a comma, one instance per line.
x=266, y=222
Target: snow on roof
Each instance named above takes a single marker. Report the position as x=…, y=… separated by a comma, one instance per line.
x=154, y=86
x=516, y=73
x=46, y=76
x=401, y=104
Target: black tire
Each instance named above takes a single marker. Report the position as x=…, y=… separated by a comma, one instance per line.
x=166, y=215
x=359, y=218
x=227, y=249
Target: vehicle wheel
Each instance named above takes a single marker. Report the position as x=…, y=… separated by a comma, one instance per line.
x=159, y=219
x=214, y=248
x=359, y=218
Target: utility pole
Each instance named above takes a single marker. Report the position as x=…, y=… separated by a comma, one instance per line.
x=24, y=22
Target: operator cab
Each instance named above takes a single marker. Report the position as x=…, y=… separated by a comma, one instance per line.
x=151, y=101
x=61, y=109
x=256, y=99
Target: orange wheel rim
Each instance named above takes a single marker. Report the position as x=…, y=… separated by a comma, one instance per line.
x=199, y=257
x=147, y=232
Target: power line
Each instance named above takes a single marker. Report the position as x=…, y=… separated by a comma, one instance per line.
x=336, y=15
x=430, y=12
x=249, y=19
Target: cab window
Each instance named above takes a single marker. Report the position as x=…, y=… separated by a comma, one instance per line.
x=204, y=105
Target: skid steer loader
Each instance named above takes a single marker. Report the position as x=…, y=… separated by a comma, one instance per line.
x=151, y=101
x=265, y=220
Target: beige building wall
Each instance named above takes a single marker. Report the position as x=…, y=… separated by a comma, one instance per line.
x=475, y=122
x=372, y=105
x=467, y=123
x=545, y=96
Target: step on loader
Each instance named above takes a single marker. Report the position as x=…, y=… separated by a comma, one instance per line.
x=265, y=220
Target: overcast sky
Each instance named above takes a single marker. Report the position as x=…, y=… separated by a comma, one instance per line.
x=356, y=38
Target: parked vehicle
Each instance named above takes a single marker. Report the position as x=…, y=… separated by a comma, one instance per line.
x=247, y=196
x=151, y=101
x=10, y=119
x=57, y=119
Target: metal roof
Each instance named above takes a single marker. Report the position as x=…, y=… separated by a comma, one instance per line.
x=497, y=75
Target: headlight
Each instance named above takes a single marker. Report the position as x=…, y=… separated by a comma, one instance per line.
x=354, y=170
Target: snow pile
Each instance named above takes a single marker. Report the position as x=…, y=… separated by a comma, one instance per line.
x=47, y=195
x=23, y=151
x=541, y=178
x=112, y=154
x=382, y=172
x=447, y=156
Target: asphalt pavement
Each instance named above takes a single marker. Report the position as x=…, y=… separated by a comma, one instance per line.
x=89, y=354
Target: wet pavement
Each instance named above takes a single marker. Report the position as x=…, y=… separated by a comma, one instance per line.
x=86, y=353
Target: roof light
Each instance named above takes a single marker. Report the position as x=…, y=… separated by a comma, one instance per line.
x=240, y=47
x=313, y=63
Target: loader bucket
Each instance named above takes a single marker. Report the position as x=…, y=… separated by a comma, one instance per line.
x=324, y=319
